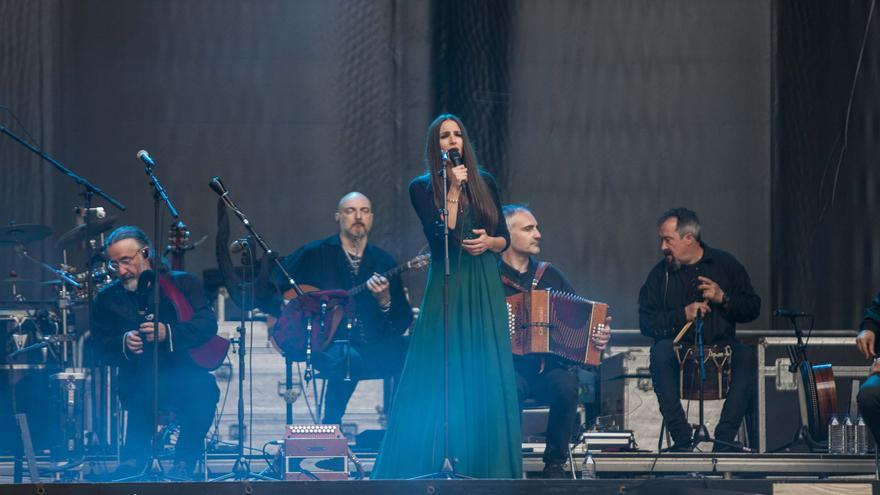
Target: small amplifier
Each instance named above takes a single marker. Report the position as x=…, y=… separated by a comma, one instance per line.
x=315, y=451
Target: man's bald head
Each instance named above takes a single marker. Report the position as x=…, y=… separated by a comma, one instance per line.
x=354, y=213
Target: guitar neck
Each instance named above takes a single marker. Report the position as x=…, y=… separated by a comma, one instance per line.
x=390, y=273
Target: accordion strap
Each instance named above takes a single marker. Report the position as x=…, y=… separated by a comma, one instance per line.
x=539, y=273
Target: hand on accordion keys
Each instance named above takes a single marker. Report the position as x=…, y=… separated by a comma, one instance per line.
x=602, y=334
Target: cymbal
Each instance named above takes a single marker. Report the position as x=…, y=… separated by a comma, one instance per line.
x=23, y=233
x=79, y=233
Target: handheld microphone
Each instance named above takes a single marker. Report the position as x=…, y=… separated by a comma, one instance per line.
x=98, y=211
x=145, y=157
x=455, y=158
x=787, y=313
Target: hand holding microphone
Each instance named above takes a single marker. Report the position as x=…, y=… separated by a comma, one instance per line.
x=459, y=170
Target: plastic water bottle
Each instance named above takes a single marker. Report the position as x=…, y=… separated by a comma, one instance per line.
x=861, y=436
x=835, y=436
x=588, y=467
x=849, y=436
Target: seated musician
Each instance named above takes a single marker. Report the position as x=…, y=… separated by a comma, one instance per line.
x=542, y=377
x=869, y=393
x=692, y=278
x=382, y=314
x=123, y=337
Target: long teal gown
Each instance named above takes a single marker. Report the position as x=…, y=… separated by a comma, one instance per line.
x=484, y=431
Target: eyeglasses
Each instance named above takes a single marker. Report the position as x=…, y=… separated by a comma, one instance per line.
x=126, y=260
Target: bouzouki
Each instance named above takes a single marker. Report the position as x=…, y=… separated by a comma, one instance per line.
x=317, y=314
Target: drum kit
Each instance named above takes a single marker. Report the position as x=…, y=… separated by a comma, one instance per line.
x=43, y=349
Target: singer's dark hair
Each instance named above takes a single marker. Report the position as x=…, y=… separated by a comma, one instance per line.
x=477, y=191
x=132, y=232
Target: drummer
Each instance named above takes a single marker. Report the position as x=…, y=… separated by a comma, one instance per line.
x=695, y=279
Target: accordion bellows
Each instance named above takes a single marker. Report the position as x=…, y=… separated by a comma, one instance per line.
x=555, y=322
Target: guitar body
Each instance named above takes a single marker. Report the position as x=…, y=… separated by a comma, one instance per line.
x=314, y=316
x=820, y=393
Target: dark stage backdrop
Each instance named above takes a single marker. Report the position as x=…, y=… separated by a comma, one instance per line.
x=826, y=238
x=599, y=114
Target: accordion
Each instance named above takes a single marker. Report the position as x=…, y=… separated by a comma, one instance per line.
x=554, y=322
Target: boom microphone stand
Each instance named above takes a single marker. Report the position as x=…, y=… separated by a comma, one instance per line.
x=241, y=470
x=447, y=468
x=153, y=470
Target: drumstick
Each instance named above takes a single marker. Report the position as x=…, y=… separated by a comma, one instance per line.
x=683, y=331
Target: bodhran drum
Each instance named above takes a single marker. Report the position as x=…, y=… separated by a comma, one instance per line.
x=717, y=362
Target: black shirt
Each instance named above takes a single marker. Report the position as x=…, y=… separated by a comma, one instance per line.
x=666, y=292
x=552, y=278
x=323, y=264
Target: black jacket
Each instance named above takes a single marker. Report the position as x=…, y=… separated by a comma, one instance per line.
x=666, y=292
x=323, y=264
x=117, y=310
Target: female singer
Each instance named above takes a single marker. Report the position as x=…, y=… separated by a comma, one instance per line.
x=484, y=431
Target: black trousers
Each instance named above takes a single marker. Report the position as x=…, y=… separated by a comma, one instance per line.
x=869, y=404
x=557, y=386
x=367, y=361
x=741, y=398
x=191, y=394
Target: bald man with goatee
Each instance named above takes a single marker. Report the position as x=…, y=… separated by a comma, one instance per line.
x=382, y=314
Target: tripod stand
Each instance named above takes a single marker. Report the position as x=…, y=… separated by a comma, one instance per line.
x=241, y=470
x=701, y=432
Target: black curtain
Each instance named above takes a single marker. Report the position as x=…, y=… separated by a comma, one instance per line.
x=825, y=204
x=599, y=114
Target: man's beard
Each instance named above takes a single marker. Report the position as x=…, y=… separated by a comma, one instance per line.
x=130, y=284
x=671, y=263
x=357, y=236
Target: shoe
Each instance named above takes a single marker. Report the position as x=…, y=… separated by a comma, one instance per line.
x=553, y=470
x=727, y=447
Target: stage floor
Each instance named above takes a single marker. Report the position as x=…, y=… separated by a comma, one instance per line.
x=773, y=468
x=655, y=486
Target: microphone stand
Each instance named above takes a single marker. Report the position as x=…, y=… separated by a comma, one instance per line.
x=217, y=186
x=701, y=432
x=153, y=470
x=241, y=469
x=447, y=468
x=797, y=354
